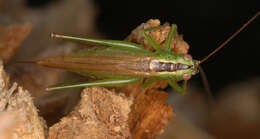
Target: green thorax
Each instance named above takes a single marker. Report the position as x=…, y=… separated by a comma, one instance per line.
x=178, y=61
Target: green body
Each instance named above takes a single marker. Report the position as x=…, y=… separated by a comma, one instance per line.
x=120, y=62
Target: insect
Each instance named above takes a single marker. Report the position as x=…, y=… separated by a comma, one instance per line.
x=121, y=62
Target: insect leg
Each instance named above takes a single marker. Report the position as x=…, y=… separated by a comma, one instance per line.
x=152, y=42
x=177, y=87
x=112, y=43
x=105, y=82
x=150, y=81
x=173, y=33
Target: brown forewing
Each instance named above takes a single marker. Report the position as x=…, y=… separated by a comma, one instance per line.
x=120, y=64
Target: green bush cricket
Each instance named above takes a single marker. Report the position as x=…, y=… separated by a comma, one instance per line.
x=122, y=63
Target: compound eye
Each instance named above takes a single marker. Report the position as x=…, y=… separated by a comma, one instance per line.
x=186, y=76
x=187, y=57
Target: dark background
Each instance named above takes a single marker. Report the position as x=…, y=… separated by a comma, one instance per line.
x=204, y=23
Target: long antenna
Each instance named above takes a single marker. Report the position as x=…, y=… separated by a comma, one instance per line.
x=206, y=83
x=231, y=37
